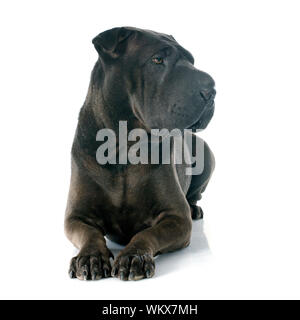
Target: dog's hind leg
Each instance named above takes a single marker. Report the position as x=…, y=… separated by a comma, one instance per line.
x=199, y=182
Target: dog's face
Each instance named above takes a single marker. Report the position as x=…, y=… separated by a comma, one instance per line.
x=156, y=78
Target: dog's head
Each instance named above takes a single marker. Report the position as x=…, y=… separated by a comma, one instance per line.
x=149, y=76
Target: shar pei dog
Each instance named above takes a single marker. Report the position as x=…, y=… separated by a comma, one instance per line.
x=145, y=81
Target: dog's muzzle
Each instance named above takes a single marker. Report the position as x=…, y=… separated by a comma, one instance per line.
x=207, y=111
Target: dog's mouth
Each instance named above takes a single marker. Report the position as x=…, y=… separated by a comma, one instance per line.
x=202, y=121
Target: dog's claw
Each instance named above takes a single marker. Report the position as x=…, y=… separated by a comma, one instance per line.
x=113, y=272
x=122, y=275
x=84, y=274
x=131, y=276
x=106, y=273
x=72, y=274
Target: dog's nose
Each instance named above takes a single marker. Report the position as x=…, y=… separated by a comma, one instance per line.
x=207, y=94
x=207, y=86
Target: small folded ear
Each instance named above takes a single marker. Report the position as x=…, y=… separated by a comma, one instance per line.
x=112, y=41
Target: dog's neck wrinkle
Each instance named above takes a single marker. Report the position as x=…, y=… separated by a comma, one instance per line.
x=108, y=115
x=104, y=108
x=90, y=122
x=99, y=113
x=85, y=141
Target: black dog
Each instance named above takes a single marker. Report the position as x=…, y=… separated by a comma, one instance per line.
x=147, y=79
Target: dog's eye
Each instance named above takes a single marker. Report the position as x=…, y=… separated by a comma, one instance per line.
x=158, y=60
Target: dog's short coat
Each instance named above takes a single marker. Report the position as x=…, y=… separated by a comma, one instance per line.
x=147, y=79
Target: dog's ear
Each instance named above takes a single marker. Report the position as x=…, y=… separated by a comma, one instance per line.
x=112, y=42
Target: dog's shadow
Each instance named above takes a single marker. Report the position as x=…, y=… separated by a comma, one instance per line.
x=169, y=262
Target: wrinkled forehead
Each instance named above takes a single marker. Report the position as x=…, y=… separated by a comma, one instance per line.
x=145, y=43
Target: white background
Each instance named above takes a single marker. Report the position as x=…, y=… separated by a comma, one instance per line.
x=252, y=216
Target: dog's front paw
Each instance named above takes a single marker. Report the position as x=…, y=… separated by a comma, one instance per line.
x=90, y=266
x=133, y=265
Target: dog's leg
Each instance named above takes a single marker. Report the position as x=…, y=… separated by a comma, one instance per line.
x=84, y=228
x=92, y=261
x=172, y=231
